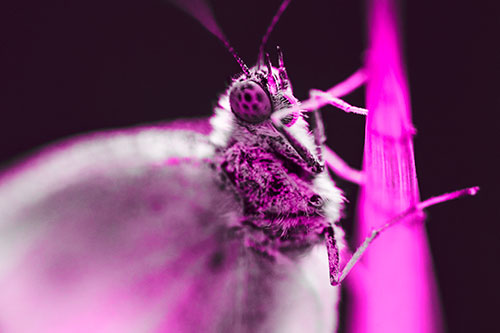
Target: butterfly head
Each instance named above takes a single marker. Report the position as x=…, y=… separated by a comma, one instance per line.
x=255, y=96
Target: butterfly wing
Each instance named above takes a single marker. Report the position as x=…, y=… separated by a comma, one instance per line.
x=127, y=231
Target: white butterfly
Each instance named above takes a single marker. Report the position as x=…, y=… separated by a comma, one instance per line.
x=132, y=231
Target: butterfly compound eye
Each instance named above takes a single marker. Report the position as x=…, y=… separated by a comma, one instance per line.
x=250, y=102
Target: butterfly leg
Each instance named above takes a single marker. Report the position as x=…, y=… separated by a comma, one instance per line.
x=332, y=95
x=318, y=130
x=341, y=168
x=319, y=98
x=323, y=152
x=333, y=255
x=333, y=161
x=324, y=97
x=415, y=209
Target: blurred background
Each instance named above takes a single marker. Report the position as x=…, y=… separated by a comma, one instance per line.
x=70, y=68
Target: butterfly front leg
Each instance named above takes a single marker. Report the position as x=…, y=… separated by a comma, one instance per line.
x=331, y=96
x=317, y=100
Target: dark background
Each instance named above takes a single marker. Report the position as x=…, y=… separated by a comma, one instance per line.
x=68, y=68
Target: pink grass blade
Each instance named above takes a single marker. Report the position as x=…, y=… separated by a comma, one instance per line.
x=395, y=289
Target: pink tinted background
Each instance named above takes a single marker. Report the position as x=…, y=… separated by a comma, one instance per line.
x=100, y=64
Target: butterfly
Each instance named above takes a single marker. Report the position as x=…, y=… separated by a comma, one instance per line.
x=130, y=231
x=141, y=230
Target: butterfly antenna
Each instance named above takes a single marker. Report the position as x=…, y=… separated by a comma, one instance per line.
x=235, y=55
x=275, y=20
x=201, y=11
